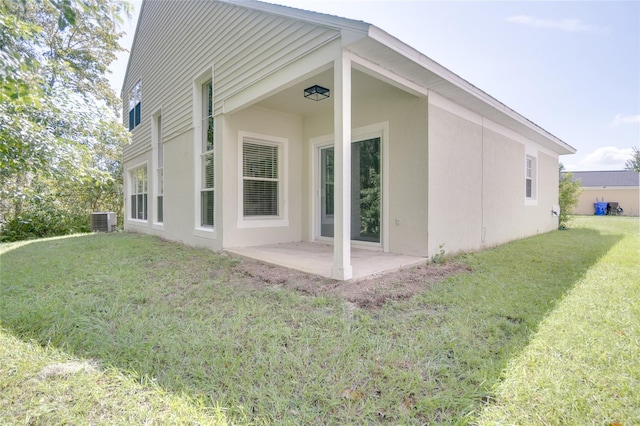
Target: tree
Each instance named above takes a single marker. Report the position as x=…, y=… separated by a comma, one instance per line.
x=569, y=193
x=633, y=163
x=60, y=139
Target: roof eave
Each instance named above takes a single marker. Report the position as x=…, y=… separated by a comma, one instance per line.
x=317, y=18
x=450, y=77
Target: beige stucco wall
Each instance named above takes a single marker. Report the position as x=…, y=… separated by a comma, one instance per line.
x=455, y=177
x=464, y=191
x=268, y=123
x=476, y=174
x=627, y=198
x=179, y=196
x=406, y=117
x=179, y=176
x=541, y=219
x=501, y=188
x=505, y=214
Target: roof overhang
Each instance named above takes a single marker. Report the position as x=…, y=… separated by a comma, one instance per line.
x=426, y=75
x=316, y=18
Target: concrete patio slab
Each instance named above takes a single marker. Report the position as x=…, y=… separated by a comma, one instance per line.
x=317, y=258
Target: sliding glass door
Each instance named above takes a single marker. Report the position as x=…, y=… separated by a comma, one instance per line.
x=365, y=190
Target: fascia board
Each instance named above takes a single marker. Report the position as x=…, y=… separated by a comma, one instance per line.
x=317, y=18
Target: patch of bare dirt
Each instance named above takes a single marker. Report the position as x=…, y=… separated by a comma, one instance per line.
x=67, y=368
x=367, y=293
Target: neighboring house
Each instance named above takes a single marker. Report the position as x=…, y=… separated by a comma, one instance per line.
x=255, y=124
x=612, y=186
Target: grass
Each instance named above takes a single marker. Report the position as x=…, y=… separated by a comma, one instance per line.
x=583, y=365
x=43, y=386
x=179, y=333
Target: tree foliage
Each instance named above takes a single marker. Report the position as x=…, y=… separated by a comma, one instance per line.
x=569, y=193
x=60, y=139
x=633, y=163
x=369, y=153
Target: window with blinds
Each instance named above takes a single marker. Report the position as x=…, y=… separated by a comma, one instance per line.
x=207, y=157
x=261, y=179
x=206, y=194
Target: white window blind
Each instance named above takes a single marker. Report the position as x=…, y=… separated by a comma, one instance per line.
x=206, y=194
x=261, y=179
x=207, y=157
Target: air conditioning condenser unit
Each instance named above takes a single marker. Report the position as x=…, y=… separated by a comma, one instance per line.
x=103, y=221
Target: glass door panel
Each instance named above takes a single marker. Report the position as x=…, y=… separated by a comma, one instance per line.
x=365, y=191
x=326, y=191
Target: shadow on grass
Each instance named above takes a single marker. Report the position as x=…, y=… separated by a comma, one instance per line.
x=183, y=317
x=44, y=386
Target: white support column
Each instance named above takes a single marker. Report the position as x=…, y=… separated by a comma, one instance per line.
x=342, y=178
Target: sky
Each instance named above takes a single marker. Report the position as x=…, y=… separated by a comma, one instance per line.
x=572, y=67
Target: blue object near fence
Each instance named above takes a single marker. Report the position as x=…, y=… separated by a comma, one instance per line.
x=600, y=209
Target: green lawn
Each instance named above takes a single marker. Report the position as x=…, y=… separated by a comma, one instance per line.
x=583, y=365
x=543, y=331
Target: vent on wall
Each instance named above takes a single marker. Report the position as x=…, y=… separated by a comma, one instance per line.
x=103, y=222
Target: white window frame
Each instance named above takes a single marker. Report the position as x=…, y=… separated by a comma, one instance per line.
x=206, y=152
x=199, y=100
x=158, y=167
x=282, y=219
x=133, y=191
x=324, y=216
x=375, y=130
x=531, y=174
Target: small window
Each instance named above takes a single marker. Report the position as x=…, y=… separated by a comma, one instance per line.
x=530, y=178
x=135, y=97
x=160, y=171
x=207, y=158
x=261, y=179
x=139, y=193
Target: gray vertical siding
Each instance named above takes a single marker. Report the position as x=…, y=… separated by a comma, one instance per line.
x=178, y=39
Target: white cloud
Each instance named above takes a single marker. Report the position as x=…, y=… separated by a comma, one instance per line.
x=571, y=25
x=605, y=158
x=571, y=167
x=626, y=119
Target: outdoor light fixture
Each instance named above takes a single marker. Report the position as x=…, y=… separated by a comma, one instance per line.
x=317, y=93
